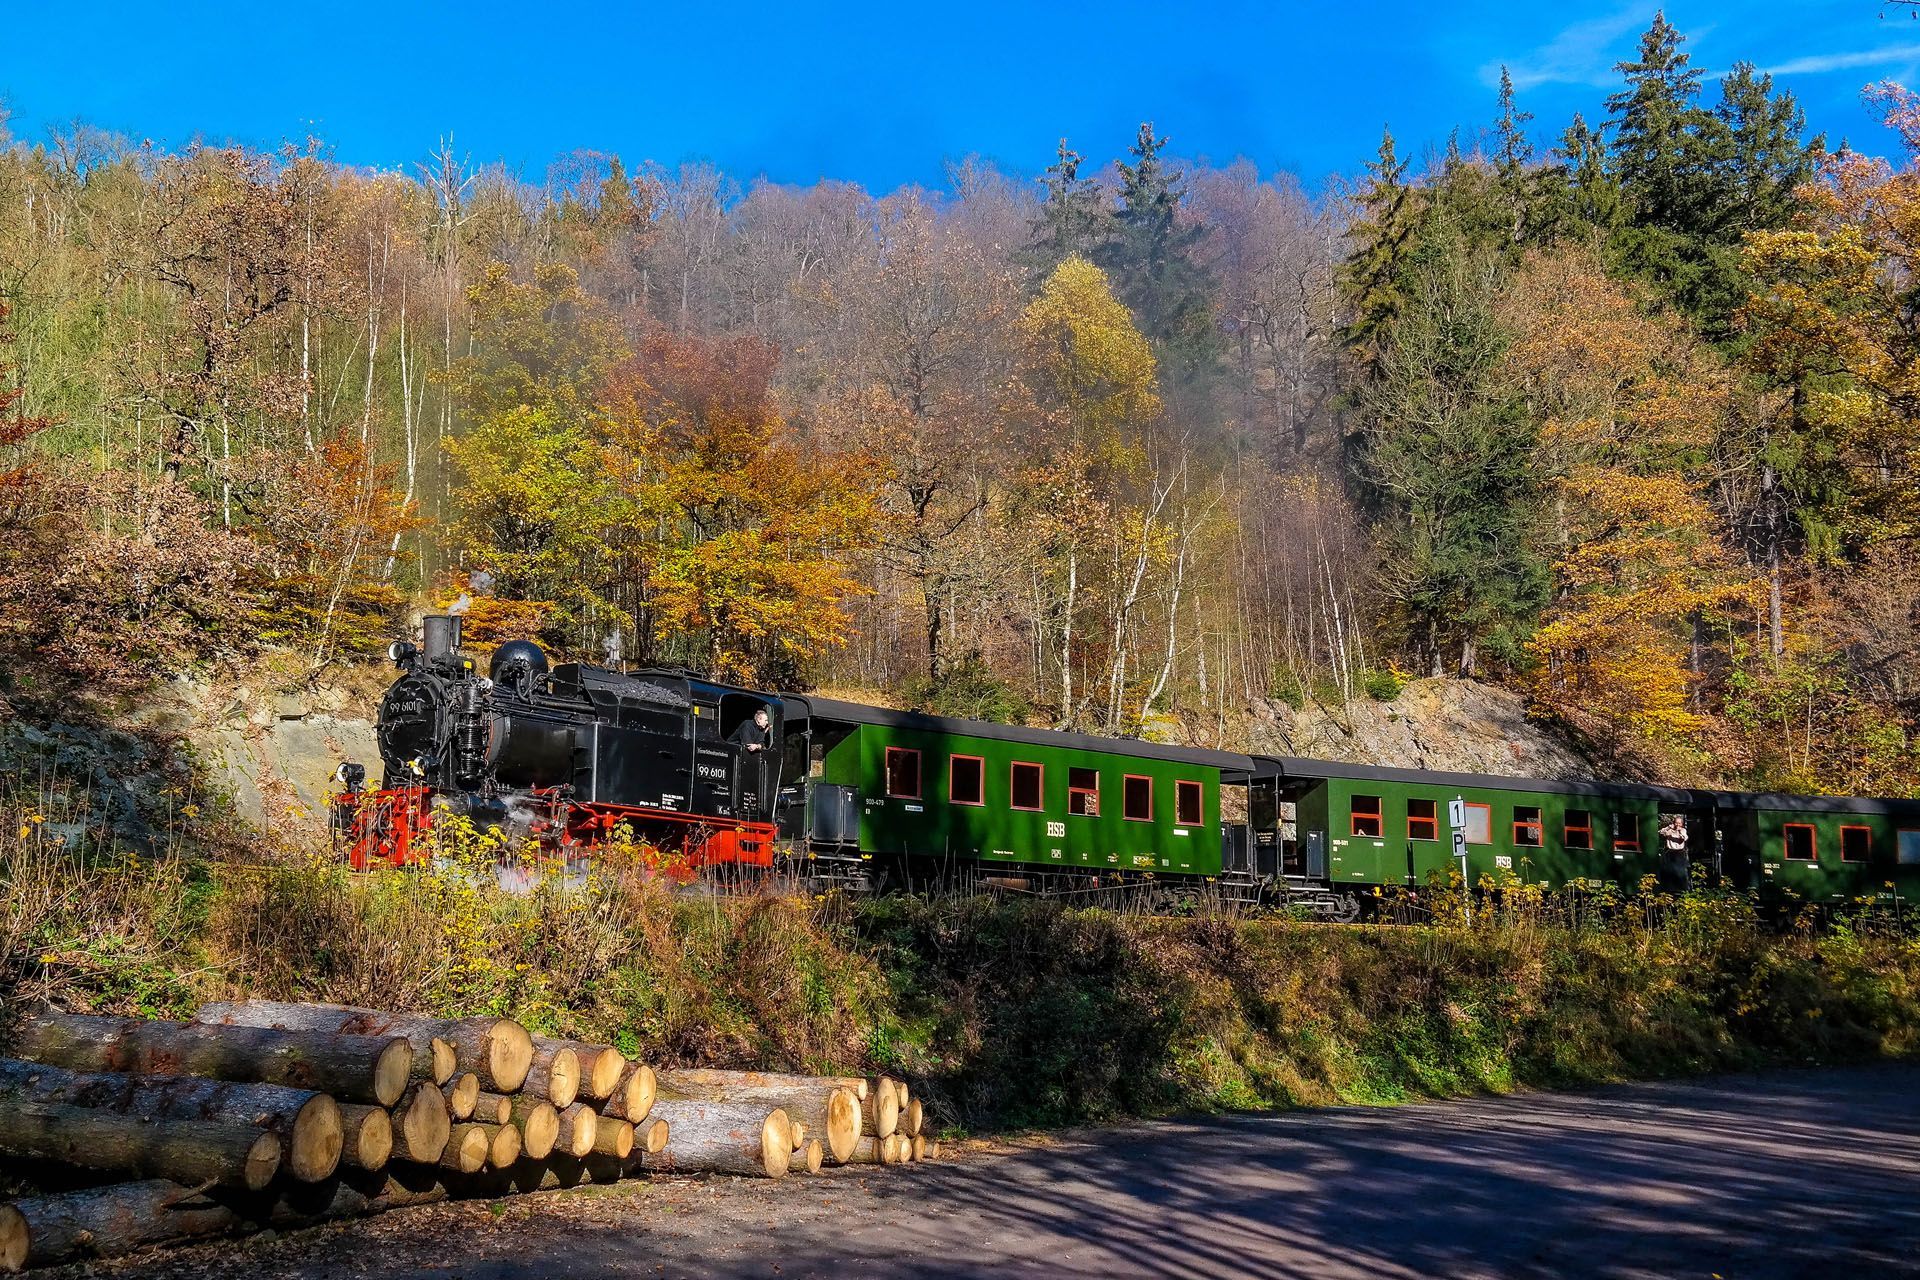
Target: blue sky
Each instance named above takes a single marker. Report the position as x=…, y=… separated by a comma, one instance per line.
x=885, y=94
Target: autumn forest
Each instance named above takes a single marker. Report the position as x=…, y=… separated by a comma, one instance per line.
x=1624, y=420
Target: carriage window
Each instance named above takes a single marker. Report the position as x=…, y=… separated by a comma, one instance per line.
x=1479, y=824
x=1364, y=816
x=1856, y=844
x=1800, y=842
x=1423, y=819
x=1907, y=851
x=967, y=780
x=1083, y=792
x=1187, y=804
x=903, y=773
x=1626, y=831
x=1527, y=827
x=1136, y=798
x=1026, y=785
x=1578, y=831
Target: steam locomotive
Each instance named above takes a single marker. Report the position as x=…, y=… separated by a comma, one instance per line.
x=562, y=755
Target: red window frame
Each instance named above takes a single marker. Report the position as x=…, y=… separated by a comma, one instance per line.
x=1423, y=826
x=919, y=774
x=1376, y=816
x=1182, y=788
x=982, y=775
x=1568, y=827
x=1074, y=793
x=1124, y=789
x=1813, y=841
x=1040, y=785
x=1630, y=823
x=1538, y=826
x=1866, y=855
x=1487, y=823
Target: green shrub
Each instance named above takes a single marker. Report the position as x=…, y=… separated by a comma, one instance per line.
x=966, y=688
x=1285, y=685
x=1382, y=684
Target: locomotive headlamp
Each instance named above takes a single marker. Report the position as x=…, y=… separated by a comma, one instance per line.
x=400, y=653
x=351, y=776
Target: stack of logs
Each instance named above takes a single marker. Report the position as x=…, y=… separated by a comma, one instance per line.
x=260, y=1113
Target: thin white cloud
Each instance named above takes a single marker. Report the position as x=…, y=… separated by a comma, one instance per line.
x=1819, y=63
x=1583, y=53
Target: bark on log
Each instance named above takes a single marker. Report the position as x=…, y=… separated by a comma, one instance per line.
x=104, y=1222
x=422, y=1123
x=812, y=1156
x=492, y=1108
x=433, y=1057
x=725, y=1137
x=368, y=1137
x=633, y=1097
x=601, y=1066
x=554, y=1074
x=612, y=1137
x=498, y=1050
x=468, y=1147
x=828, y=1112
x=229, y=1152
x=578, y=1125
x=308, y=1123
x=353, y=1068
x=703, y=1077
x=537, y=1123
x=462, y=1094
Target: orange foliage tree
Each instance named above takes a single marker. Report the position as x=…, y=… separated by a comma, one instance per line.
x=744, y=536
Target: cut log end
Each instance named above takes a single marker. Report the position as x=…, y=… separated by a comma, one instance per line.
x=425, y=1124
x=600, y=1072
x=318, y=1137
x=444, y=1059
x=812, y=1156
x=263, y=1160
x=391, y=1071
x=510, y=1055
x=579, y=1128
x=843, y=1125
x=912, y=1116
x=15, y=1239
x=651, y=1136
x=463, y=1094
x=467, y=1148
x=776, y=1144
x=799, y=1136
x=538, y=1125
x=505, y=1146
x=369, y=1137
x=612, y=1137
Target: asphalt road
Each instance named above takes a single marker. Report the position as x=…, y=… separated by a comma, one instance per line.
x=1813, y=1173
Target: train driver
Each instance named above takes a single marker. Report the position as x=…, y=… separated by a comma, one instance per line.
x=753, y=735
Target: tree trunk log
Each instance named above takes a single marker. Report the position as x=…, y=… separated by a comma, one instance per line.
x=633, y=1097
x=725, y=1137
x=537, y=1122
x=601, y=1067
x=612, y=1137
x=650, y=1136
x=229, y=1152
x=799, y=1132
x=554, y=1075
x=872, y=1150
x=498, y=1050
x=433, y=1057
x=880, y=1113
x=828, y=1112
x=422, y=1123
x=698, y=1077
x=468, y=1147
x=307, y=1122
x=462, y=1094
x=353, y=1068
x=368, y=1137
x=578, y=1125
x=812, y=1156
x=492, y=1108
x=504, y=1145
x=104, y=1222
x=912, y=1118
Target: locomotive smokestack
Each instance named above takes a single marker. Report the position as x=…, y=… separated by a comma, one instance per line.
x=441, y=635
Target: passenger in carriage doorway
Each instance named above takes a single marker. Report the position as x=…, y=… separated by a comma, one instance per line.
x=753, y=735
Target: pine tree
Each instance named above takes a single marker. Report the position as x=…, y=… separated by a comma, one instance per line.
x=1151, y=259
x=1382, y=237
x=1072, y=218
x=1589, y=193
x=1766, y=161
x=1659, y=132
x=1513, y=155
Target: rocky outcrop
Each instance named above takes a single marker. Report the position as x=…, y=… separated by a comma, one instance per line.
x=1456, y=726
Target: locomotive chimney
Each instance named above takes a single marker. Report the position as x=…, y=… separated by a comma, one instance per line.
x=441, y=636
